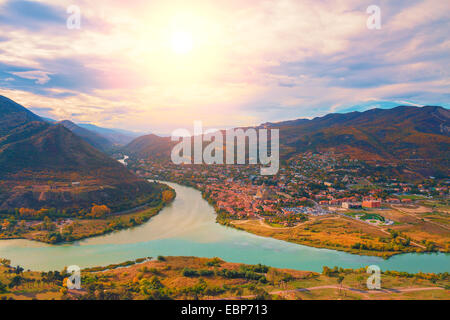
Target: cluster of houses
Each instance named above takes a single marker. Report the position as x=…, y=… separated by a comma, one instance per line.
x=311, y=211
x=354, y=203
x=327, y=179
x=243, y=200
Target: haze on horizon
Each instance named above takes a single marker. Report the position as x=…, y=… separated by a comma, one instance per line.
x=160, y=65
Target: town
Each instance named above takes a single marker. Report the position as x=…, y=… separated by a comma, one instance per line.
x=313, y=184
x=314, y=187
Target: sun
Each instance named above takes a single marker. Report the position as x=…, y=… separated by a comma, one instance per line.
x=182, y=42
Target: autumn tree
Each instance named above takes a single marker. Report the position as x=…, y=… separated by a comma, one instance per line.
x=167, y=196
x=99, y=211
x=25, y=212
x=48, y=224
x=6, y=225
x=2, y=288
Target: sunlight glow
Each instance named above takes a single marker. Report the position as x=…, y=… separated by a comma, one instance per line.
x=182, y=42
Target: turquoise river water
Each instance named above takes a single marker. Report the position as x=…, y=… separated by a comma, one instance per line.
x=187, y=227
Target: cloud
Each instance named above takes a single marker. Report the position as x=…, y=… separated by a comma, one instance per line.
x=252, y=61
x=41, y=77
x=31, y=15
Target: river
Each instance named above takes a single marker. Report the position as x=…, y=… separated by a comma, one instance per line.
x=187, y=227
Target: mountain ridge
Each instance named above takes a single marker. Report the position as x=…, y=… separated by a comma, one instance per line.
x=13, y=115
x=91, y=137
x=380, y=135
x=40, y=162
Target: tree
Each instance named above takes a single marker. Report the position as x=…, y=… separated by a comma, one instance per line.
x=167, y=196
x=16, y=281
x=360, y=280
x=68, y=229
x=261, y=294
x=25, y=212
x=18, y=270
x=147, y=285
x=99, y=211
x=326, y=271
x=6, y=225
x=5, y=262
x=48, y=224
x=339, y=281
x=2, y=288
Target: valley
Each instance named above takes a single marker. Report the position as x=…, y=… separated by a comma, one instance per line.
x=376, y=215
x=233, y=156
x=65, y=191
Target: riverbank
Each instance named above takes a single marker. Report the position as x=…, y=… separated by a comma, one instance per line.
x=212, y=278
x=334, y=232
x=75, y=229
x=188, y=227
x=337, y=232
x=301, y=234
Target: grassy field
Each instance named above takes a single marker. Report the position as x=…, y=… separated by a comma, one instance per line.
x=334, y=232
x=415, y=229
x=202, y=278
x=412, y=197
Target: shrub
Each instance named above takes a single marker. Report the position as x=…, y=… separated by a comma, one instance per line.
x=206, y=273
x=187, y=272
x=214, y=262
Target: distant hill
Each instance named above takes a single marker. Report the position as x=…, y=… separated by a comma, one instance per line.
x=116, y=136
x=417, y=136
x=401, y=133
x=149, y=147
x=45, y=165
x=91, y=137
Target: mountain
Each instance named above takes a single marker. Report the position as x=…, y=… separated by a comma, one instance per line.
x=49, y=120
x=94, y=139
x=149, y=147
x=13, y=115
x=416, y=136
x=390, y=133
x=116, y=136
x=45, y=165
x=372, y=104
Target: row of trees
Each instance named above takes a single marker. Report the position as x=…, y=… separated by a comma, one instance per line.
x=96, y=211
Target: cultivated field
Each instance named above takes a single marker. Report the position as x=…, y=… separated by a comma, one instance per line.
x=415, y=229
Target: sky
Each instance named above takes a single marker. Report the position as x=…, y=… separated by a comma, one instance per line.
x=155, y=66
